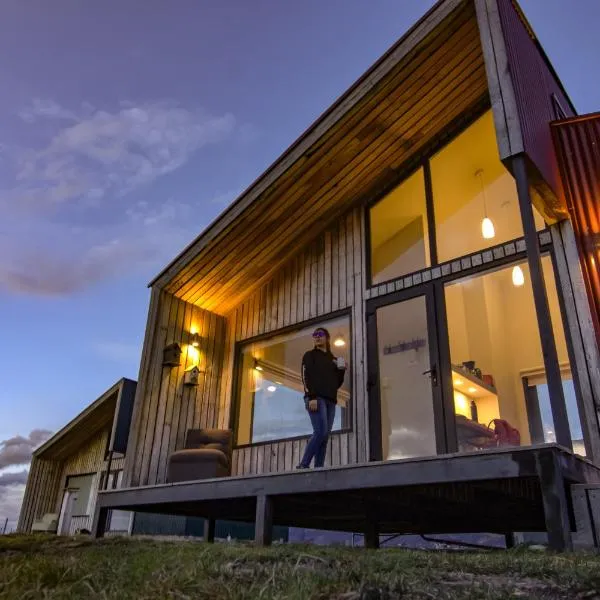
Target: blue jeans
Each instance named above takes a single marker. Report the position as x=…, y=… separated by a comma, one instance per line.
x=322, y=424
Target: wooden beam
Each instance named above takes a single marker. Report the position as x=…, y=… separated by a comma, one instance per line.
x=504, y=104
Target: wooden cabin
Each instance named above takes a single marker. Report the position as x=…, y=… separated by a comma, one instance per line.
x=424, y=220
x=69, y=469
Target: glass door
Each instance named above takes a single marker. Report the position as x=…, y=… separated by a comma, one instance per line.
x=405, y=391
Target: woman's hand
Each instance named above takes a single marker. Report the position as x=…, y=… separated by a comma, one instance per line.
x=313, y=405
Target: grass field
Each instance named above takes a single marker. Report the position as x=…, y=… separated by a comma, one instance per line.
x=122, y=568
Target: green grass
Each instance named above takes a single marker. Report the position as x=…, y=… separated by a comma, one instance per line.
x=122, y=568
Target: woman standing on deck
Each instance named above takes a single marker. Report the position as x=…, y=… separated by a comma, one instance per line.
x=322, y=374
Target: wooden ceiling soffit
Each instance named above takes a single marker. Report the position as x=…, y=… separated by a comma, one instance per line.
x=430, y=87
x=315, y=136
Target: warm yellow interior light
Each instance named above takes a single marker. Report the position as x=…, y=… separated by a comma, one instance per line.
x=518, y=278
x=487, y=229
x=458, y=382
x=339, y=342
x=472, y=390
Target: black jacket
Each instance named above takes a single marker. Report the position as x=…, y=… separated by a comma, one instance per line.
x=321, y=375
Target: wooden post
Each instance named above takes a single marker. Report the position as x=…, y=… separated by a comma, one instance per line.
x=100, y=521
x=554, y=498
x=209, y=530
x=263, y=525
x=542, y=309
x=371, y=535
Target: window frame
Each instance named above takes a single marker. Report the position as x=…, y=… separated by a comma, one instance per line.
x=237, y=380
x=409, y=168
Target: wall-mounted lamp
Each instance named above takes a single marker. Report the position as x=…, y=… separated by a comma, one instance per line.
x=257, y=367
x=195, y=340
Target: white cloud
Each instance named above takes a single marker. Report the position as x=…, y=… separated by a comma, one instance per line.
x=47, y=258
x=51, y=239
x=100, y=152
x=17, y=450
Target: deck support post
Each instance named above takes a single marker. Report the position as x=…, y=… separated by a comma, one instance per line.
x=263, y=524
x=209, y=530
x=100, y=521
x=371, y=527
x=371, y=535
x=554, y=498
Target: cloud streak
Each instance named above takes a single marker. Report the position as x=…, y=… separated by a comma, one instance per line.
x=18, y=450
x=112, y=152
x=72, y=219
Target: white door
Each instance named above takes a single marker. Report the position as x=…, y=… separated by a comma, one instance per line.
x=66, y=512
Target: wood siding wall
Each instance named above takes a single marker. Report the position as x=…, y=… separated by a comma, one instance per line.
x=41, y=491
x=164, y=408
x=327, y=276
x=48, y=478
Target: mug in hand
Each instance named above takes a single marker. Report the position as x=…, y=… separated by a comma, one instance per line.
x=341, y=363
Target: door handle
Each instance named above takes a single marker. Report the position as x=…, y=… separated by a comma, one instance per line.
x=432, y=375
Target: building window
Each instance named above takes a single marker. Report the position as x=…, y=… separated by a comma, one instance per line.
x=474, y=196
x=399, y=231
x=494, y=344
x=271, y=393
x=473, y=199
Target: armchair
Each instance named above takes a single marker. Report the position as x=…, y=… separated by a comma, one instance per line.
x=207, y=454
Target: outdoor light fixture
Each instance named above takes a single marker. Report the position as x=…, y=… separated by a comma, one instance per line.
x=487, y=227
x=518, y=278
x=195, y=340
x=339, y=341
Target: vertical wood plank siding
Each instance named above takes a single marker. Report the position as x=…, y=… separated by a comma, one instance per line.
x=165, y=408
x=326, y=276
x=48, y=478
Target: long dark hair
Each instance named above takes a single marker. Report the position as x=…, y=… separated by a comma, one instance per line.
x=327, y=338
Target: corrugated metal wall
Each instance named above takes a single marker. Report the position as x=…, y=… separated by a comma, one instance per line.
x=534, y=84
x=577, y=143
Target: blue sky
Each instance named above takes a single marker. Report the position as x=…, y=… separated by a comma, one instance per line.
x=124, y=132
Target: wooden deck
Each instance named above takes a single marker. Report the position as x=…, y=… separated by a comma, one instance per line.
x=499, y=491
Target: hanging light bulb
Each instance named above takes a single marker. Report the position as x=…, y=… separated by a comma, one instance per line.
x=487, y=226
x=518, y=278
x=487, y=229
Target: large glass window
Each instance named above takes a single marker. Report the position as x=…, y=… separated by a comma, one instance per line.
x=475, y=206
x=494, y=346
x=399, y=231
x=475, y=198
x=271, y=392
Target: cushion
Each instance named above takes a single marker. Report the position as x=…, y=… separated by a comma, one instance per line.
x=198, y=455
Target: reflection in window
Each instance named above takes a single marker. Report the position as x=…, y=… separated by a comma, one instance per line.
x=271, y=401
x=542, y=424
x=475, y=197
x=399, y=231
x=494, y=344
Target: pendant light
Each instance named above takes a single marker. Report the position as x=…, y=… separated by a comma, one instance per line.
x=487, y=226
x=518, y=278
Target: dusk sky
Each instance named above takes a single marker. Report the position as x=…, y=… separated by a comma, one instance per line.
x=126, y=127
